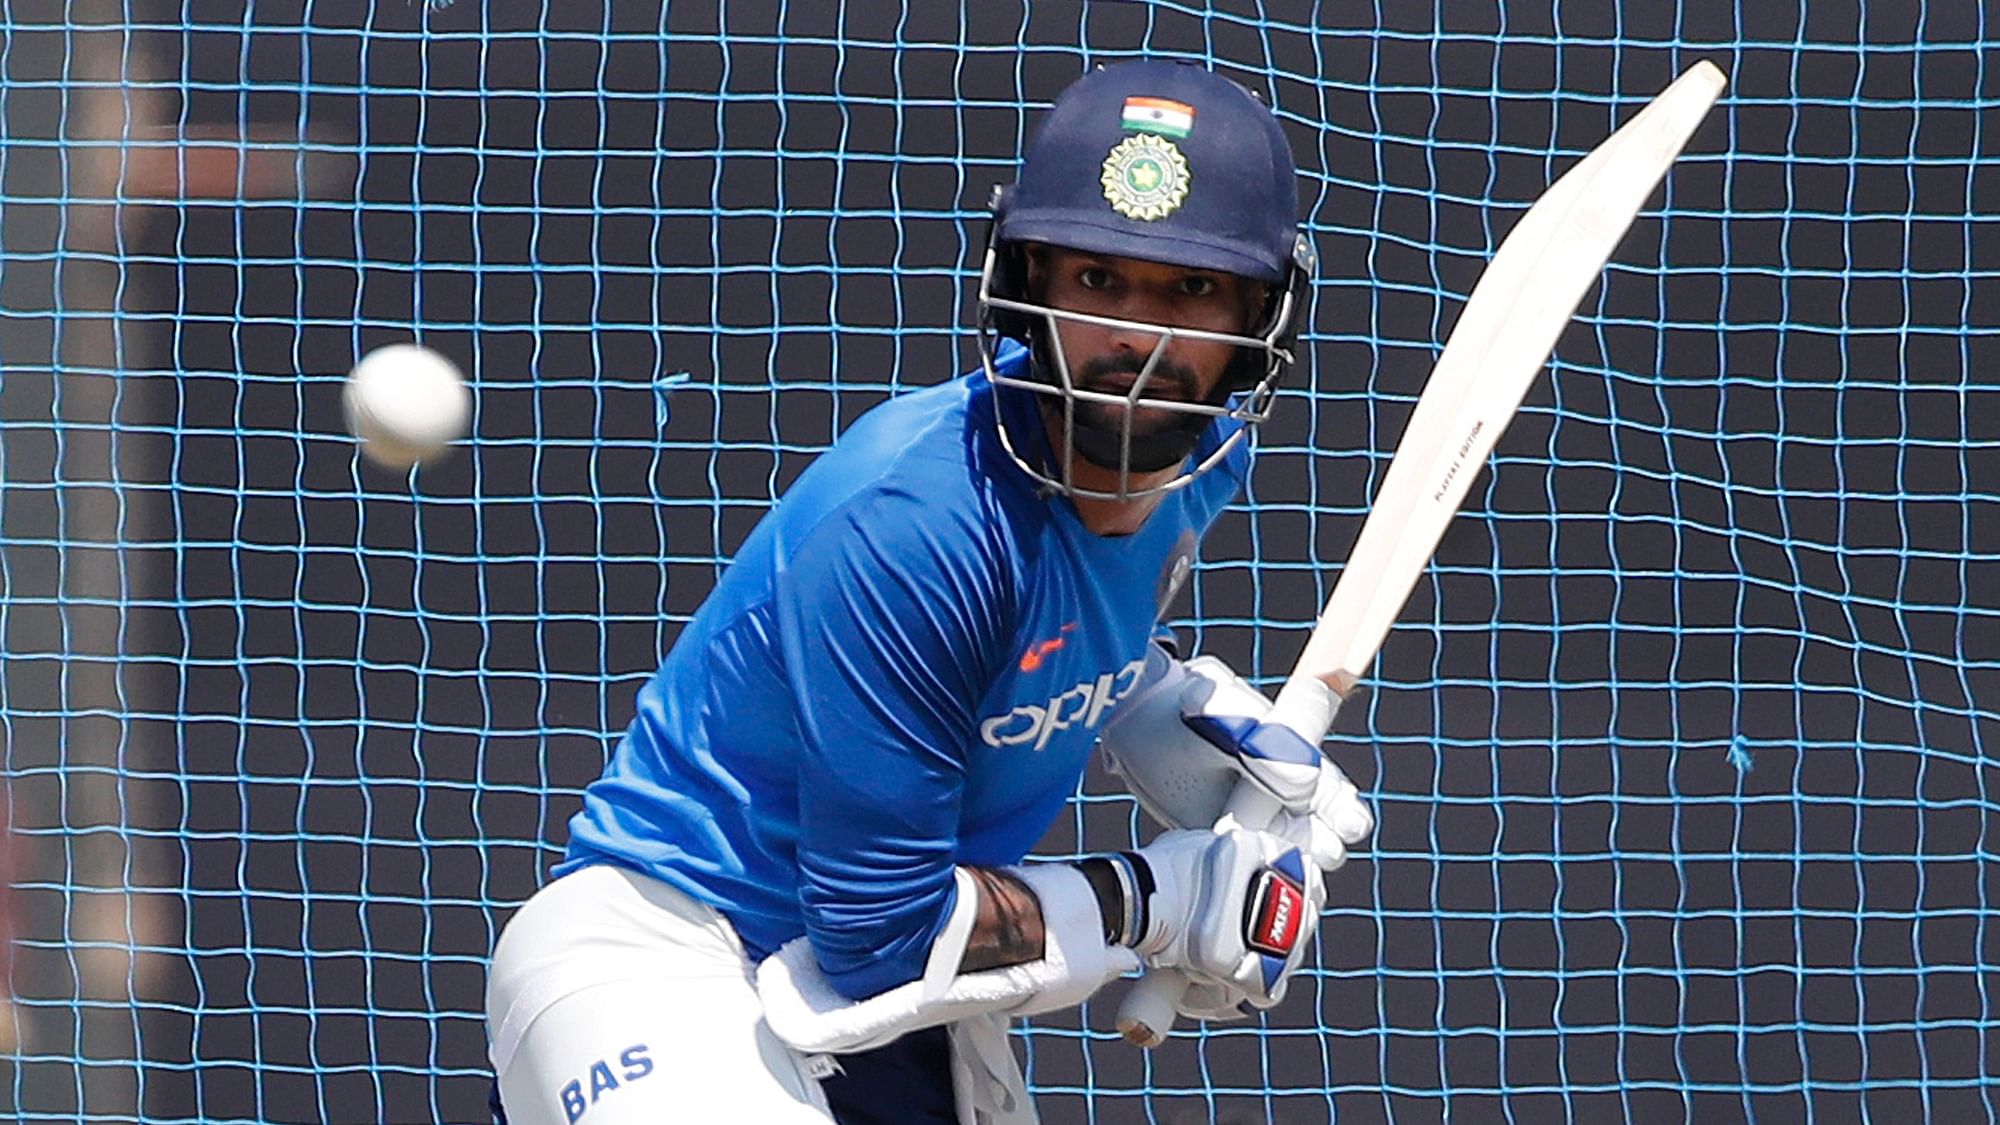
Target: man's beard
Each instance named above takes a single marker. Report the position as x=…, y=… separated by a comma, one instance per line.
x=1141, y=439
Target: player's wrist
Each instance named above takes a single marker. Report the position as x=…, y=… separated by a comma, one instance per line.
x=1144, y=897
x=1123, y=885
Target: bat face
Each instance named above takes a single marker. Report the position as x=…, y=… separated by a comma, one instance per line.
x=1500, y=344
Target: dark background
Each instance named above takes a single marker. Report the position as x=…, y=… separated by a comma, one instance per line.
x=1681, y=753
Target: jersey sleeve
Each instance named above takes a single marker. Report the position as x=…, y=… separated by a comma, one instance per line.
x=889, y=613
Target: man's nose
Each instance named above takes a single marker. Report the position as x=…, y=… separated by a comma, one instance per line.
x=1141, y=312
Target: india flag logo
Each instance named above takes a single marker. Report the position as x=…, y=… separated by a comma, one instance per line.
x=1158, y=115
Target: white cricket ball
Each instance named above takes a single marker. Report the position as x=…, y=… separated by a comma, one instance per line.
x=407, y=404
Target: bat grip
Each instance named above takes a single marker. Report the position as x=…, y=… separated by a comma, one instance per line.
x=1307, y=706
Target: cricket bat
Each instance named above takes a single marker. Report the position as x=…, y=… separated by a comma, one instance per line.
x=1502, y=340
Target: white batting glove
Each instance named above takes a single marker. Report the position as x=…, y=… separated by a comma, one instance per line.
x=1164, y=742
x=1212, y=1003
x=1334, y=821
x=1235, y=908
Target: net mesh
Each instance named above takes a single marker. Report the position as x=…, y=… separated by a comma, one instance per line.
x=1679, y=752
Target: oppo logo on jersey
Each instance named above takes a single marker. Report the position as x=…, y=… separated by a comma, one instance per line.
x=1081, y=706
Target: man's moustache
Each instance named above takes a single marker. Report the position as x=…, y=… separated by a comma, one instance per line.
x=1168, y=376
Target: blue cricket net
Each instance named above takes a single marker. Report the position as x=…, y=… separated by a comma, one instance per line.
x=1680, y=752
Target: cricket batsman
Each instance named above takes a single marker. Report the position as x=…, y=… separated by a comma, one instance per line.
x=797, y=893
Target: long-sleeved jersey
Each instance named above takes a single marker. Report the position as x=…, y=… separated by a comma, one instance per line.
x=903, y=670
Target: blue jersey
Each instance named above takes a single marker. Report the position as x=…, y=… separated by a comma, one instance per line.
x=902, y=670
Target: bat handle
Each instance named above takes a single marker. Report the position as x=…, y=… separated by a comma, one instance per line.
x=1149, y=1010
x=1306, y=705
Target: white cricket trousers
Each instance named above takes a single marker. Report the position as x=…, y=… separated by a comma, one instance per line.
x=614, y=999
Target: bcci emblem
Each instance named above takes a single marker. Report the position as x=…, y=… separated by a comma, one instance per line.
x=1145, y=177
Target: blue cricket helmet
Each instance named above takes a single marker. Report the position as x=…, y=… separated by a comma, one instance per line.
x=1164, y=162
x=1237, y=206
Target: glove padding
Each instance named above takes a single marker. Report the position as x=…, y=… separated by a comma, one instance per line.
x=1234, y=908
x=1211, y=1003
x=1194, y=730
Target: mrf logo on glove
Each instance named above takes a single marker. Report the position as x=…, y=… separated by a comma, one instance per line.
x=1274, y=914
x=1232, y=907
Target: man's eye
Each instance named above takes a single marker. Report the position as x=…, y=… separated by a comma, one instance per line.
x=1196, y=285
x=1094, y=277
